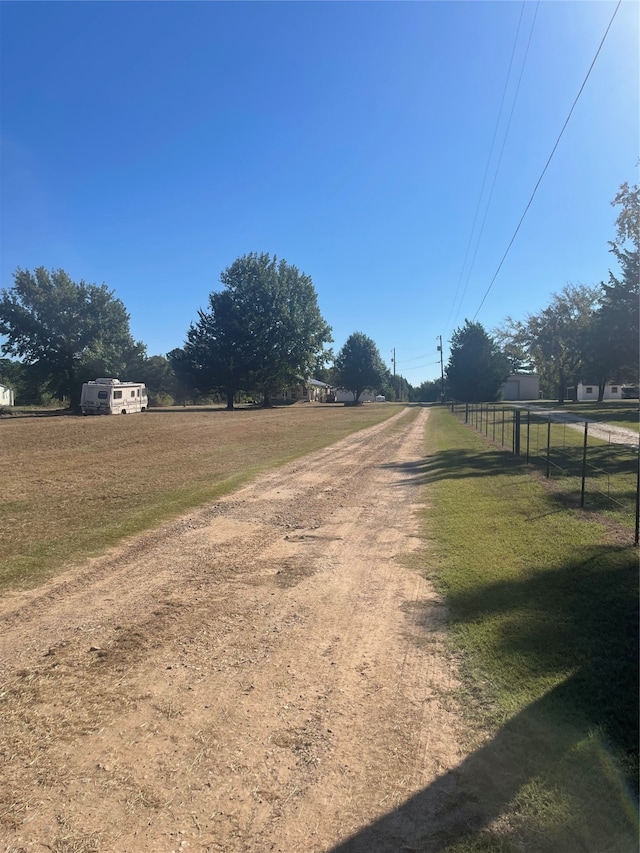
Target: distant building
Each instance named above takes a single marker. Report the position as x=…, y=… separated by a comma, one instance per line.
x=584, y=391
x=6, y=396
x=521, y=386
x=344, y=396
x=312, y=391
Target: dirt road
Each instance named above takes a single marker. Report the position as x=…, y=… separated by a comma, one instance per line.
x=262, y=675
x=610, y=433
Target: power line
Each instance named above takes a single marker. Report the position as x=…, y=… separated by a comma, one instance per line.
x=415, y=358
x=486, y=172
x=430, y=364
x=504, y=142
x=553, y=151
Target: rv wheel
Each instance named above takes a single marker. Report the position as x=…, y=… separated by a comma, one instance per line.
x=124, y=411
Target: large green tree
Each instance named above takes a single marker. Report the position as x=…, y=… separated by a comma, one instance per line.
x=613, y=350
x=262, y=332
x=428, y=391
x=185, y=389
x=358, y=366
x=217, y=349
x=157, y=374
x=589, y=333
x=477, y=367
x=558, y=339
x=26, y=381
x=67, y=331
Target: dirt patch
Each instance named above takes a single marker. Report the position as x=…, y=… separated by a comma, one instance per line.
x=78, y=485
x=264, y=674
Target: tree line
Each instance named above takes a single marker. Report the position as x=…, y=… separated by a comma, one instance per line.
x=263, y=331
x=586, y=333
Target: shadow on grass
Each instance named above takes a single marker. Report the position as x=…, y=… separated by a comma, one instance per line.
x=550, y=766
x=169, y=410
x=456, y=811
x=458, y=464
x=44, y=413
x=240, y=407
x=610, y=469
x=584, y=617
x=196, y=410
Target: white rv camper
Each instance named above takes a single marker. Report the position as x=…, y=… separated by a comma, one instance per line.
x=112, y=397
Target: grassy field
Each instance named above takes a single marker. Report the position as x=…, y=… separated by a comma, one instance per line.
x=73, y=486
x=611, y=470
x=543, y=617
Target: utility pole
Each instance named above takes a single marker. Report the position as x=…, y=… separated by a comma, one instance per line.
x=441, y=369
x=395, y=389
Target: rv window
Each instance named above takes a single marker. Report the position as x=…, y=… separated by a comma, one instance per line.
x=589, y=390
x=614, y=389
x=117, y=395
x=138, y=393
x=102, y=395
x=133, y=393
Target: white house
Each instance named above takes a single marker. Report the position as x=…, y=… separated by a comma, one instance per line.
x=316, y=391
x=343, y=396
x=6, y=395
x=310, y=391
x=584, y=391
x=521, y=386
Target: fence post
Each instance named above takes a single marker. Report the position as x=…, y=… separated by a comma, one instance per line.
x=548, y=443
x=516, y=432
x=584, y=463
x=486, y=423
x=502, y=442
x=466, y=413
x=637, y=539
x=494, y=423
x=528, y=432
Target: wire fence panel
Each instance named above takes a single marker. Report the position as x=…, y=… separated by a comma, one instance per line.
x=601, y=475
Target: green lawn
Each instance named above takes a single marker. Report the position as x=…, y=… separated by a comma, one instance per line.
x=611, y=470
x=543, y=618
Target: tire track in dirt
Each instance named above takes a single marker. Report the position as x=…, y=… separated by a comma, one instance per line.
x=265, y=674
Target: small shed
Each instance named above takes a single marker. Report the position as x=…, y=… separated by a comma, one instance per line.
x=344, y=396
x=589, y=391
x=521, y=386
x=6, y=395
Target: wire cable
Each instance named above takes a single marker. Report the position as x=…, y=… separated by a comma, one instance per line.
x=553, y=151
x=415, y=358
x=486, y=170
x=504, y=142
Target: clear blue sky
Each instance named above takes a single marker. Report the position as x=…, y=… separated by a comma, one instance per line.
x=147, y=145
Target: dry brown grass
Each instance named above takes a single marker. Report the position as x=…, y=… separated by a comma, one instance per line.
x=73, y=486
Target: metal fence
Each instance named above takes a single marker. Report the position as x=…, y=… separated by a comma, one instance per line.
x=600, y=474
